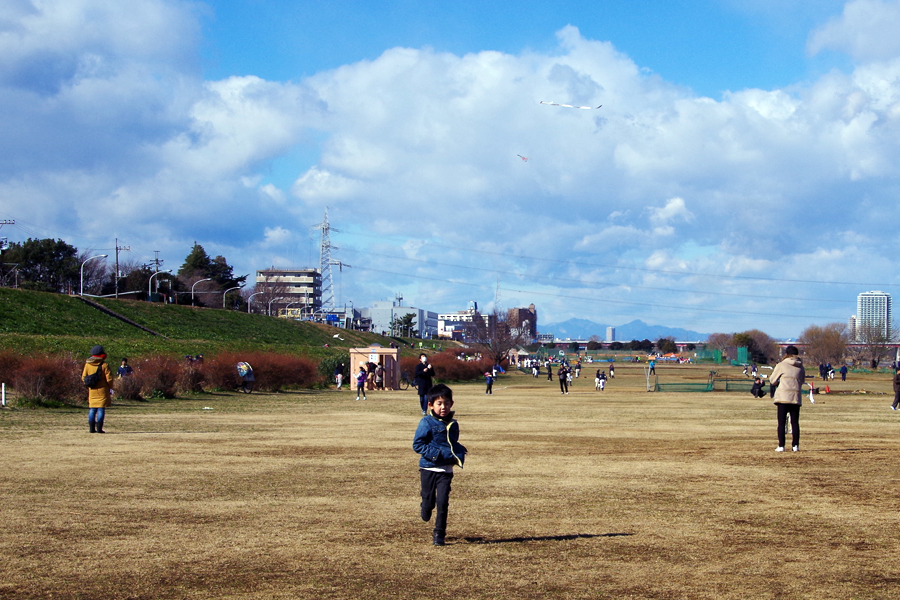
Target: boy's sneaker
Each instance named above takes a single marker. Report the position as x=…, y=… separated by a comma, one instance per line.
x=795, y=449
x=779, y=449
x=357, y=398
x=438, y=539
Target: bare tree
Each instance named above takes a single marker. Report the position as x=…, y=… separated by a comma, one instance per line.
x=873, y=342
x=723, y=342
x=95, y=272
x=493, y=336
x=268, y=292
x=720, y=341
x=826, y=344
x=763, y=348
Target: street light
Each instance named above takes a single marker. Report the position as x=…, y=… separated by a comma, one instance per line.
x=82, y=270
x=195, y=285
x=150, y=282
x=251, y=298
x=269, y=311
x=226, y=293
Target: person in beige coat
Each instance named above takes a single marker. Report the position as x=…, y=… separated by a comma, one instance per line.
x=100, y=394
x=788, y=378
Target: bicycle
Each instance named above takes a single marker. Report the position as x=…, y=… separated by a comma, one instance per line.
x=405, y=381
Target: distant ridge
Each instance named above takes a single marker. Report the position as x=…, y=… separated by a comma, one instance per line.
x=582, y=329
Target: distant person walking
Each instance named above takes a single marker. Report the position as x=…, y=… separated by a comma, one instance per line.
x=361, y=378
x=424, y=378
x=612, y=371
x=787, y=379
x=98, y=378
x=563, y=375
x=896, y=389
x=843, y=372
x=339, y=375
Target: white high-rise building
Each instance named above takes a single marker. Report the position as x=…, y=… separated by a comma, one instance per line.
x=610, y=334
x=873, y=309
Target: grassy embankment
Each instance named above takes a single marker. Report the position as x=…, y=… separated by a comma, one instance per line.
x=35, y=322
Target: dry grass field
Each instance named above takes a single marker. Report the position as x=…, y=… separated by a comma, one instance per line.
x=624, y=494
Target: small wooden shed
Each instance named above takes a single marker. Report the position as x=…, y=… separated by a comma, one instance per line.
x=389, y=358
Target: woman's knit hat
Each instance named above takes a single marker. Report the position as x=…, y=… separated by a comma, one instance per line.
x=98, y=351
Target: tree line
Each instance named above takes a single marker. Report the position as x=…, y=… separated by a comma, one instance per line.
x=48, y=265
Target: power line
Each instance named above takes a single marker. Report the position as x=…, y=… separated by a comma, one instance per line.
x=641, y=269
x=605, y=283
x=594, y=299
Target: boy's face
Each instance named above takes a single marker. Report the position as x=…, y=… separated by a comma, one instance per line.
x=441, y=407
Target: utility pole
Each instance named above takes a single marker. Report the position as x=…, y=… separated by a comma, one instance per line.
x=156, y=265
x=118, y=273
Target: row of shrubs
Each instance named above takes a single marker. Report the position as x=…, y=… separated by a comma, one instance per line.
x=55, y=378
x=447, y=367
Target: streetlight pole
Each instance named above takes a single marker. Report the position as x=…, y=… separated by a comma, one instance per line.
x=269, y=310
x=226, y=293
x=195, y=285
x=250, y=299
x=150, y=283
x=82, y=270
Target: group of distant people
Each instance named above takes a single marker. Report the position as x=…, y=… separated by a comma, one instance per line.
x=436, y=439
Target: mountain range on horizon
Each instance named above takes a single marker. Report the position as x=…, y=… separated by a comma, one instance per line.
x=583, y=329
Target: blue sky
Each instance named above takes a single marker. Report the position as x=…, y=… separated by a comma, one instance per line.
x=742, y=172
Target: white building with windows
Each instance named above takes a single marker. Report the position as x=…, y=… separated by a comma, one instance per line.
x=873, y=309
x=383, y=314
x=453, y=325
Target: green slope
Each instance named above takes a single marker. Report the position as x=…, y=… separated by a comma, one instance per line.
x=41, y=322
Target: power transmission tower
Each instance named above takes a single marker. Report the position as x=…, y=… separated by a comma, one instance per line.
x=325, y=262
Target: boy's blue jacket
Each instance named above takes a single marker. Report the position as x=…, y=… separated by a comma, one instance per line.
x=438, y=442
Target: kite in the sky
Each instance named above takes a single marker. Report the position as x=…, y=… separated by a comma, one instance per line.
x=525, y=158
x=570, y=105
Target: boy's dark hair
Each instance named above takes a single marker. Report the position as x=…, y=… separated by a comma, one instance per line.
x=440, y=391
x=791, y=351
x=423, y=354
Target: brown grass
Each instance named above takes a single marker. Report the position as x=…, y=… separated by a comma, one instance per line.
x=625, y=494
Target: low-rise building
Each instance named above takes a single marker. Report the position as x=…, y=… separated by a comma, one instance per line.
x=279, y=290
x=383, y=317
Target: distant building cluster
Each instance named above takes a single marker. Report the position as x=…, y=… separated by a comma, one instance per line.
x=297, y=294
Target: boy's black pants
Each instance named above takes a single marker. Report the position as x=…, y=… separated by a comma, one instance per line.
x=436, y=494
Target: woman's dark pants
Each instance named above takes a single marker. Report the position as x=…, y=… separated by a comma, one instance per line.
x=794, y=411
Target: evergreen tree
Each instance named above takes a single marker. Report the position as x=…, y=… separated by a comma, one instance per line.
x=196, y=264
x=45, y=265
